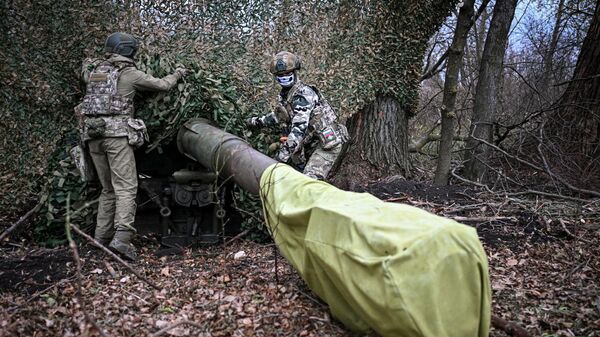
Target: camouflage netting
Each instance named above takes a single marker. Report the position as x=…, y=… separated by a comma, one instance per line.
x=351, y=51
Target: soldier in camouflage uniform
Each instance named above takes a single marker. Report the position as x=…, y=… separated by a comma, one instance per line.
x=111, y=133
x=315, y=136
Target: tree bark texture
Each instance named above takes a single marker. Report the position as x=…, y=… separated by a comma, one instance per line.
x=488, y=86
x=574, y=127
x=549, y=54
x=454, y=64
x=378, y=144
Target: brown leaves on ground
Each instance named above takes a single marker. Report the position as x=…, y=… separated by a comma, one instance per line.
x=222, y=295
x=543, y=262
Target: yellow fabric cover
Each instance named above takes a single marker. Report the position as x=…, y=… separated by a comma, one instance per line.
x=393, y=268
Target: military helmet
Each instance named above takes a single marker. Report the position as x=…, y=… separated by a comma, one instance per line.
x=122, y=44
x=284, y=62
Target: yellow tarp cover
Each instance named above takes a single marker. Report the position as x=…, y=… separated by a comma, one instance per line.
x=393, y=268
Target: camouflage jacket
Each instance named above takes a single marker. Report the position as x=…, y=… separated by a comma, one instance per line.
x=310, y=120
x=116, y=113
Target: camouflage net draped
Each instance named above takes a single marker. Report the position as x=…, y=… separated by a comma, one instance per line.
x=350, y=50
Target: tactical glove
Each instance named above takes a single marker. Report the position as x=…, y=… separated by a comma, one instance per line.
x=182, y=72
x=253, y=122
x=283, y=155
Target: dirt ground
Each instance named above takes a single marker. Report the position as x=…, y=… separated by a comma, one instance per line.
x=543, y=259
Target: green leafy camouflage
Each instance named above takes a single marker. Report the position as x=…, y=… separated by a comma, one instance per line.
x=350, y=50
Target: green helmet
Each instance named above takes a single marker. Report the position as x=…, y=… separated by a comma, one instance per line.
x=122, y=44
x=284, y=62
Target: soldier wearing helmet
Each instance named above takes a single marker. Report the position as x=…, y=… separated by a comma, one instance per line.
x=315, y=136
x=111, y=133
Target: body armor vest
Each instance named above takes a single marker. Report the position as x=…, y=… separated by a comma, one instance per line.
x=284, y=109
x=323, y=126
x=322, y=114
x=105, y=112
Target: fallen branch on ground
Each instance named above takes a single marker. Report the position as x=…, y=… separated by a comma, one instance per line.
x=38, y=293
x=562, y=223
x=552, y=195
x=115, y=257
x=483, y=218
x=546, y=194
x=237, y=237
x=510, y=328
x=21, y=220
x=79, y=292
x=465, y=180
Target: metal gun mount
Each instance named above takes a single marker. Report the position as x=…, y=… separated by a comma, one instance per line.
x=186, y=189
x=182, y=201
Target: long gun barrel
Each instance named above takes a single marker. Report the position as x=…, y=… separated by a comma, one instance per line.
x=393, y=268
x=226, y=154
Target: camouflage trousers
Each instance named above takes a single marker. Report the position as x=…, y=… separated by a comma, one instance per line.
x=115, y=164
x=321, y=161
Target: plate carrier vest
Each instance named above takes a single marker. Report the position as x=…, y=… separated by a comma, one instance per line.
x=102, y=101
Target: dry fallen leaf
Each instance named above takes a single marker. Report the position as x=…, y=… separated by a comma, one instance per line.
x=161, y=324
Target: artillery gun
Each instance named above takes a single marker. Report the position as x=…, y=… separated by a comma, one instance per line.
x=181, y=195
x=392, y=268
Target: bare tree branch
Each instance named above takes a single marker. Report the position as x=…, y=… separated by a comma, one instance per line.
x=465, y=180
x=434, y=69
x=21, y=220
x=557, y=177
x=533, y=166
x=529, y=191
x=115, y=257
x=551, y=195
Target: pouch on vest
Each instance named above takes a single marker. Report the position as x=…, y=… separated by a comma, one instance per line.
x=332, y=135
x=84, y=164
x=136, y=132
x=283, y=116
x=96, y=127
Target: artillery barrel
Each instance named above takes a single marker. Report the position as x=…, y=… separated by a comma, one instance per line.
x=228, y=155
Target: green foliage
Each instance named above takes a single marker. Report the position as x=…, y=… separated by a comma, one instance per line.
x=199, y=95
x=41, y=46
x=64, y=183
x=350, y=50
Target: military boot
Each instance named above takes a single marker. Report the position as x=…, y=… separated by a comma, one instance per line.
x=121, y=244
x=103, y=241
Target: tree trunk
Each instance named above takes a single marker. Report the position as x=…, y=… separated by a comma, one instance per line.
x=490, y=73
x=455, y=59
x=549, y=54
x=472, y=52
x=480, y=34
x=378, y=144
x=574, y=128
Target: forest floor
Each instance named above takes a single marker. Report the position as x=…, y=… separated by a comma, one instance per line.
x=543, y=260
